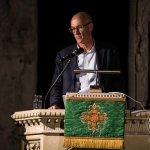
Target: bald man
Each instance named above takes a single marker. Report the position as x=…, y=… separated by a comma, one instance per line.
x=81, y=27
x=97, y=55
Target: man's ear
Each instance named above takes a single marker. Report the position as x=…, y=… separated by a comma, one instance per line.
x=91, y=26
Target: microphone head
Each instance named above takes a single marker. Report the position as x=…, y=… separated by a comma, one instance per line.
x=74, y=53
x=79, y=51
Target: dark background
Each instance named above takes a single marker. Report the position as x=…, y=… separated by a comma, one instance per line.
x=111, y=22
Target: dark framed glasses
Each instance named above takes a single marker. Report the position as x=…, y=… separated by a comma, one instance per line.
x=72, y=30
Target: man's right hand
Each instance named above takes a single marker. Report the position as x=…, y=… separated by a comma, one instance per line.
x=54, y=107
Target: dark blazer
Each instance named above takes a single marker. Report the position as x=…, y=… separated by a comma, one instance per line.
x=107, y=58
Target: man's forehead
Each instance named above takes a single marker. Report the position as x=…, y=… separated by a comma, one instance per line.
x=77, y=21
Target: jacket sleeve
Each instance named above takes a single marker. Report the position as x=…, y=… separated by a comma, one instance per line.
x=111, y=61
x=118, y=81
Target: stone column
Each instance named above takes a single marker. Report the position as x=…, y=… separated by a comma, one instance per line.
x=138, y=55
x=18, y=64
x=131, y=53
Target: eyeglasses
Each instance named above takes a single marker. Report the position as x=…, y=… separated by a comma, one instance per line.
x=72, y=30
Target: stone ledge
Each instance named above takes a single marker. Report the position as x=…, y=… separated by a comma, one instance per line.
x=38, y=113
x=52, y=121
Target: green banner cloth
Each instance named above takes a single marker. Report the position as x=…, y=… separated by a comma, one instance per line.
x=102, y=119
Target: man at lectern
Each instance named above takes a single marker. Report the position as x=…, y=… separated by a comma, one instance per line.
x=96, y=55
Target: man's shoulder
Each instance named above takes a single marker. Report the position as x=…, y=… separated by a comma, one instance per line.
x=104, y=44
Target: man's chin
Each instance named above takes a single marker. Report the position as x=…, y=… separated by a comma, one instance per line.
x=79, y=40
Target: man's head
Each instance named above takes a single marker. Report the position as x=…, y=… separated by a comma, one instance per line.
x=81, y=27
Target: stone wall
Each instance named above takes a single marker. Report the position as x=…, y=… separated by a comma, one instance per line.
x=138, y=57
x=18, y=64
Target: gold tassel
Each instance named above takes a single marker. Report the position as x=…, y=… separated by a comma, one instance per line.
x=93, y=143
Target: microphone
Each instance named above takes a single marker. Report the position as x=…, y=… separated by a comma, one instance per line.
x=71, y=55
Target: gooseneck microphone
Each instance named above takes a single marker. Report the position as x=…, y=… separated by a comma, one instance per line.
x=71, y=55
x=67, y=57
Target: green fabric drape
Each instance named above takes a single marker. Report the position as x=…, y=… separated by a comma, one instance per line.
x=113, y=128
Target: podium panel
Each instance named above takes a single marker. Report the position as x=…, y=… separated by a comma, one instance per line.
x=94, y=120
x=44, y=129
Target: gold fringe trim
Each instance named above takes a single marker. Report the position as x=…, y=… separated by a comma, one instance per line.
x=93, y=143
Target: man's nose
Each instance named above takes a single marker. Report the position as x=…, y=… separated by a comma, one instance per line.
x=76, y=31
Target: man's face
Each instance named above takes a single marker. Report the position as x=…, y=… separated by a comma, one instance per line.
x=81, y=34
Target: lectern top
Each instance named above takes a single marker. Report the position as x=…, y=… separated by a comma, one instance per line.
x=96, y=96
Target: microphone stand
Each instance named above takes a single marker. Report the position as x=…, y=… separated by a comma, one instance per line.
x=68, y=62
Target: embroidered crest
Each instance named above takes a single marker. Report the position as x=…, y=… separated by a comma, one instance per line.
x=94, y=117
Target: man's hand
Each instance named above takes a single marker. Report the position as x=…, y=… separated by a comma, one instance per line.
x=54, y=107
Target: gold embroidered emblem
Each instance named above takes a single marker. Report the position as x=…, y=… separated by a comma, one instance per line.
x=94, y=117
